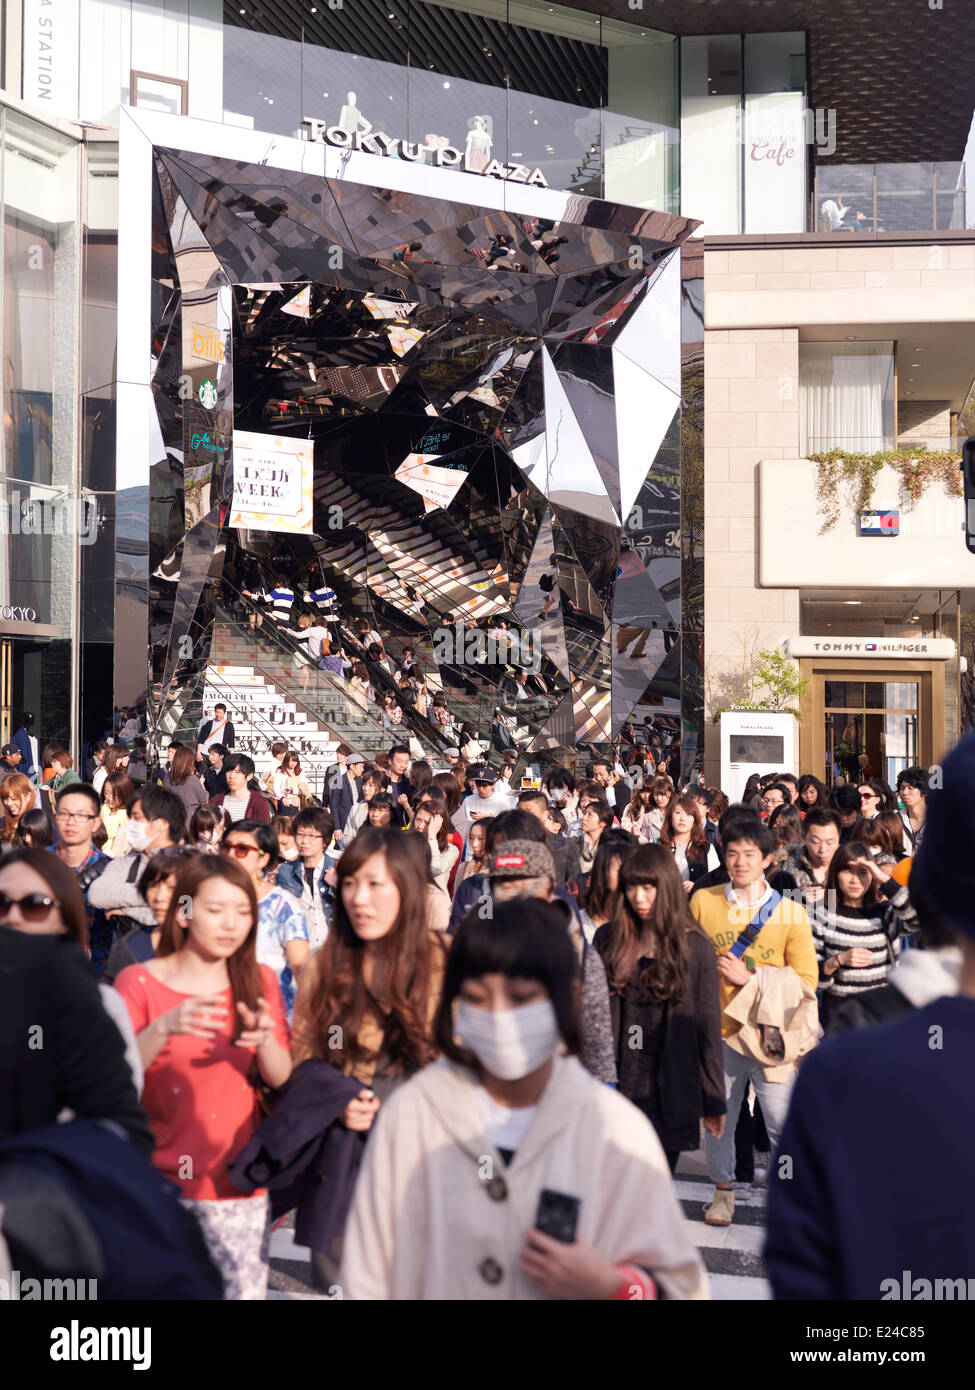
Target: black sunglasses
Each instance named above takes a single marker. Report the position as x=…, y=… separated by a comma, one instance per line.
x=34, y=907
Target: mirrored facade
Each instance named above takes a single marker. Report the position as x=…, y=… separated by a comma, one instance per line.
x=492, y=397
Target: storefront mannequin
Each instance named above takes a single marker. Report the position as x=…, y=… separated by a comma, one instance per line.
x=352, y=119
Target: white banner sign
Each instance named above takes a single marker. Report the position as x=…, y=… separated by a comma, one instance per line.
x=273, y=480
x=50, y=77
x=873, y=648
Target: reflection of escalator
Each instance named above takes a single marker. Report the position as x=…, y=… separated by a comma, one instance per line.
x=279, y=658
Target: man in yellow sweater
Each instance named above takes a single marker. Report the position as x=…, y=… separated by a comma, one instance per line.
x=784, y=938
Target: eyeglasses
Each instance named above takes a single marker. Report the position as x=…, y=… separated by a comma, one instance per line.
x=308, y=835
x=240, y=851
x=34, y=907
x=73, y=815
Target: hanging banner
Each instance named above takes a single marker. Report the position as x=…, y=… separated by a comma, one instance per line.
x=436, y=485
x=273, y=481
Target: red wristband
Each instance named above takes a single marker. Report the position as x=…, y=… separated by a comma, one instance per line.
x=635, y=1285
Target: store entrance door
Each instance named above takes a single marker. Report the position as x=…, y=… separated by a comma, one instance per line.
x=870, y=720
x=871, y=729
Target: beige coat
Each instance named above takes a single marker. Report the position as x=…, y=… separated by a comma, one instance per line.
x=426, y=1215
x=775, y=996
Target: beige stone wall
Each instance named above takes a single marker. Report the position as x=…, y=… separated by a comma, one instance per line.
x=751, y=412
x=920, y=422
x=842, y=283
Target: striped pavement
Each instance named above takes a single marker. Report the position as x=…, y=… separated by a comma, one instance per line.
x=732, y=1254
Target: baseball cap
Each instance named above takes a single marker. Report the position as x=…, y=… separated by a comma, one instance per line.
x=451, y=752
x=484, y=772
x=521, y=859
x=7, y=749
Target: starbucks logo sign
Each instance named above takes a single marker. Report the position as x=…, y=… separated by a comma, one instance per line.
x=208, y=394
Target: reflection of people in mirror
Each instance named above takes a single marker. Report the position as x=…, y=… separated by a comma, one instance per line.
x=477, y=151
x=352, y=119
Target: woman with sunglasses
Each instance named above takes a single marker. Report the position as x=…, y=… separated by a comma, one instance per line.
x=468, y=1159
x=210, y=1025
x=367, y=999
x=871, y=799
x=282, y=928
x=40, y=896
x=857, y=926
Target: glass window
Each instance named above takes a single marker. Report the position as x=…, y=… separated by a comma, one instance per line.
x=710, y=111
x=640, y=137
x=774, y=149
x=846, y=396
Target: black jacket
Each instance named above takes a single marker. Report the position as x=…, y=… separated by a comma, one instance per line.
x=227, y=740
x=304, y=1155
x=58, y=1046
x=565, y=852
x=676, y=1075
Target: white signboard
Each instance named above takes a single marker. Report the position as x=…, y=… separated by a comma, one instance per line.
x=273, y=480
x=775, y=163
x=50, y=76
x=873, y=648
x=754, y=741
x=437, y=486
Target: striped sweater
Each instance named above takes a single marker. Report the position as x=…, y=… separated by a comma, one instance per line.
x=879, y=930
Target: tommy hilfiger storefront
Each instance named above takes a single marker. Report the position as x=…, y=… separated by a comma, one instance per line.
x=449, y=398
x=873, y=705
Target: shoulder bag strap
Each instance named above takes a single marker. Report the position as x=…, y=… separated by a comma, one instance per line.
x=750, y=935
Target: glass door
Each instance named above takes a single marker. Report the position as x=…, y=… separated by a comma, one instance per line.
x=871, y=729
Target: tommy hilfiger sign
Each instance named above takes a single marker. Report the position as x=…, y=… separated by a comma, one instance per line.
x=444, y=157
x=873, y=648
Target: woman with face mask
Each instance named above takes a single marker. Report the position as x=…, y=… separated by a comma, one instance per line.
x=505, y=1170
x=366, y=1001
x=210, y=1026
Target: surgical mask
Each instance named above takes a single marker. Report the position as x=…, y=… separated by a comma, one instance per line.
x=510, y=1043
x=137, y=834
x=558, y=794
x=290, y=854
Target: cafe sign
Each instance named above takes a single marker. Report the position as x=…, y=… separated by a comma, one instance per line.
x=444, y=156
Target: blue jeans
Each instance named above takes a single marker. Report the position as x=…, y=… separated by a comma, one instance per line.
x=774, y=1098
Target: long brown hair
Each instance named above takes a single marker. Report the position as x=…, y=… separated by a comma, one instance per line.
x=642, y=799
x=16, y=784
x=63, y=883
x=397, y=994
x=184, y=761
x=665, y=975
x=117, y=791
x=697, y=845
x=246, y=982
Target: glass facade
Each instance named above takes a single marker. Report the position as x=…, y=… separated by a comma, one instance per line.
x=43, y=515
x=492, y=398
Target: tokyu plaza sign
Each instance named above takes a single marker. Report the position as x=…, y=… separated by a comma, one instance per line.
x=445, y=157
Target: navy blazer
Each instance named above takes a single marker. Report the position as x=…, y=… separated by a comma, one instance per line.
x=340, y=801
x=304, y=1156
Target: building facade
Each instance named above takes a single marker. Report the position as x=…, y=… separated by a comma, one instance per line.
x=795, y=252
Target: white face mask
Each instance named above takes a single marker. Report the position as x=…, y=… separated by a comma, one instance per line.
x=511, y=1043
x=290, y=854
x=137, y=834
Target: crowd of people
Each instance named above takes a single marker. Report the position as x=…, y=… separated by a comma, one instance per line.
x=464, y=1021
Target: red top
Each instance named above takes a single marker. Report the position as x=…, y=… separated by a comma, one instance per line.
x=455, y=839
x=201, y=1105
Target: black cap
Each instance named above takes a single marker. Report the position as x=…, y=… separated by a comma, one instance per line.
x=483, y=772
x=7, y=749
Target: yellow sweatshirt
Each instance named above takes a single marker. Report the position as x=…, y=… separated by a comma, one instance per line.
x=785, y=939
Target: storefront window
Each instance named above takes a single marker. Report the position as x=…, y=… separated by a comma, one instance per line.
x=710, y=118
x=774, y=152
x=846, y=396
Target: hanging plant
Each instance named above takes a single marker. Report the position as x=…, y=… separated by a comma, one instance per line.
x=855, y=475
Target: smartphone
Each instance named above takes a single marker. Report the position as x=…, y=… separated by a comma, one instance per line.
x=558, y=1215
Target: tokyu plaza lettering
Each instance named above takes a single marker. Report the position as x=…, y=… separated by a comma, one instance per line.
x=447, y=157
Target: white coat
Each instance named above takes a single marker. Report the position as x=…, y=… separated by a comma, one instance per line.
x=428, y=1222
